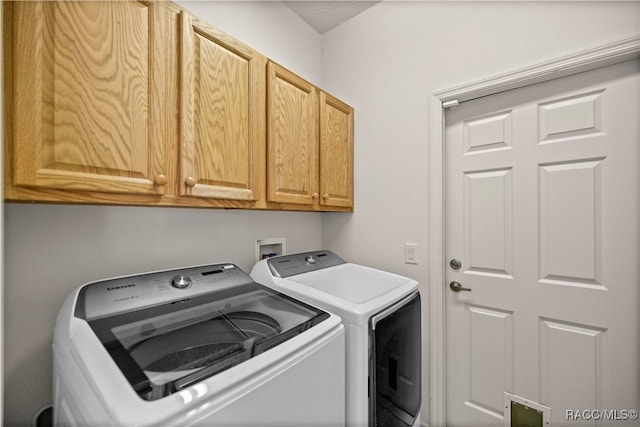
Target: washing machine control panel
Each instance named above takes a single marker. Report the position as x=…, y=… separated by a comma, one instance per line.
x=118, y=295
x=290, y=265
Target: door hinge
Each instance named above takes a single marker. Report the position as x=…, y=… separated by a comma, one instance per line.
x=450, y=104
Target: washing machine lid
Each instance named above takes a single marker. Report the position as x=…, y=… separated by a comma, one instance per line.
x=353, y=283
x=165, y=346
x=352, y=291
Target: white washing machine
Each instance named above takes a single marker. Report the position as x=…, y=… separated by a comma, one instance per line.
x=381, y=314
x=203, y=346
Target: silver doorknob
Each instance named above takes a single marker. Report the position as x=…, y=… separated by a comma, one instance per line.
x=457, y=287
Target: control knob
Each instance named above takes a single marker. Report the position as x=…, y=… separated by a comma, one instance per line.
x=310, y=259
x=181, y=282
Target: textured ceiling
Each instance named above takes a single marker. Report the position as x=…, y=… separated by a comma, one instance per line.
x=325, y=15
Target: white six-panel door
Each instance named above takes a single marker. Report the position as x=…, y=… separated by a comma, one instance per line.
x=542, y=211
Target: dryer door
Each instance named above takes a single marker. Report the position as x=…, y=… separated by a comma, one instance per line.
x=394, y=364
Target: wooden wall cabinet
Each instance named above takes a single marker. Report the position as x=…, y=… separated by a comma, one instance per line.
x=309, y=144
x=336, y=153
x=87, y=81
x=292, y=138
x=223, y=110
x=140, y=103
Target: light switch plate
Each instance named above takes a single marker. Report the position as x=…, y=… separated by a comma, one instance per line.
x=411, y=253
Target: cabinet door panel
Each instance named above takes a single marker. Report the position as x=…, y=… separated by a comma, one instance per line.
x=336, y=152
x=223, y=109
x=84, y=99
x=292, y=141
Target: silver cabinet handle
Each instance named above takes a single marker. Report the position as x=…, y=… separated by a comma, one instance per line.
x=457, y=287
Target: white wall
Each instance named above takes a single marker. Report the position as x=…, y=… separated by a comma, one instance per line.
x=386, y=63
x=52, y=249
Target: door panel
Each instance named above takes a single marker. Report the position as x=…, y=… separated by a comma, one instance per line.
x=336, y=152
x=542, y=196
x=223, y=97
x=575, y=116
x=492, y=132
x=488, y=222
x=489, y=357
x=86, y=96
x=571, y=223
x=292, y=138
x=571, y=359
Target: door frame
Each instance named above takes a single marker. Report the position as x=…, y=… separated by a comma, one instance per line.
x=598, y=57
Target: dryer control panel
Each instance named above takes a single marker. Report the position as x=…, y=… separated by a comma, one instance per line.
x=291, y=265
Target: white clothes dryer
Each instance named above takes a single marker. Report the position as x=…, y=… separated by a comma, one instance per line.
x=381, y=314
x=197, y=346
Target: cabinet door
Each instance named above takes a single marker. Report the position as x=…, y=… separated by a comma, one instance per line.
x=223, y=97
x=85, y=104
x=336, y=152
x=292, y=138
